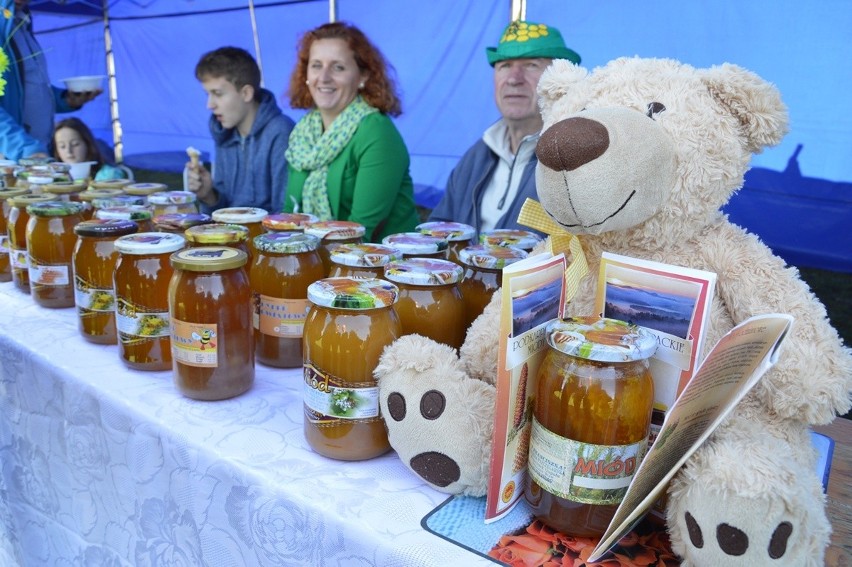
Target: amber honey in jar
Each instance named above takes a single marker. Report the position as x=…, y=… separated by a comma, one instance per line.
x=429, y=302
x=210, y=311
x=333, y=233
x=591, y=420
x=287, y=222
x=140, y=214
x=516, y=238
x=50, y=245
x=249, y=217
x=169, y=202
x=16, y=230
x=6, y=193
x=483, y=275
x=88, y=197
x=458, y=235
x=94, y=260
x=364, y=260
x=141, y=284
x=178, y=223
x=418, y=245
x=350, y=323
x=144, y=189
x=286, y=264
x=220, y=234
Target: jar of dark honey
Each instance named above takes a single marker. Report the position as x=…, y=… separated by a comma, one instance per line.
x=220, y=234
x=350, y=322
x=210, y=312
x=144, y=189
x=364, y=260
x=6, y=193
x=287, y=222
x=483, y=275
x=287, y=263
x=140, y=214
x=50, y=245
x=94, y=260
x=170, y=202
x=88, y=197
x=17, y=232
x=249, y=217
x=457, y=234
x=591, y=420
x=141, y=283
x=178, y=223
x=333, y=233
x=418, y=245
x=429, y=303
x=523, y=239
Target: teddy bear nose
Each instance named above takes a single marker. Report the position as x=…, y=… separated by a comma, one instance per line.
x=571, y=143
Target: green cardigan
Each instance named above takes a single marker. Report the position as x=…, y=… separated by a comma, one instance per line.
x=368, y=182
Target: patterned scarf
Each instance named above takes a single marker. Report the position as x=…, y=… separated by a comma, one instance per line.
x=312, y=150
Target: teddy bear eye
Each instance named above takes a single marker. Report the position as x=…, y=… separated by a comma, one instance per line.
x=655, y=108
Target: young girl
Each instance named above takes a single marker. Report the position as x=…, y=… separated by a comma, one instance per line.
x=73, y=142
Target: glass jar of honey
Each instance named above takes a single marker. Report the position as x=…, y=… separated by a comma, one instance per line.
x=350, y=322
x=169, y=202
x=141, y=283
x=333, y=233
x=483, y=275
x=178, y=223
x=523, y=239
x=144, y=189
x=429, y=303
x=50, y=244
x=220, y=234
x=364, y=260
x=249, y=217
x=287, y=222
x=88, y=197
x=6, y=193
x=94, y=260
x=418, y=245
x=591, y=420
x=210, y=311
x=140, y=214
x=16, y=230
x=65, y=190
x=287, y=263
x=110, y=184
x=457, y=234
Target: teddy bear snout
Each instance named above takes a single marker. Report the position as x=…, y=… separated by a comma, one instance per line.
x=572, y=143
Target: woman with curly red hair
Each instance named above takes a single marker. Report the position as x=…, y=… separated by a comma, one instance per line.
x=346, y=158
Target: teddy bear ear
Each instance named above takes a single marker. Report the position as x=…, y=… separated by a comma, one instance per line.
x=754, y=102
x=558, y=79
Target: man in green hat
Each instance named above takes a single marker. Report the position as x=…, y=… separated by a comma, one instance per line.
x=493, y=179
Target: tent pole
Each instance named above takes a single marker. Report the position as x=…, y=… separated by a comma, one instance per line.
x=256, y=39
x=332, y=11
x=113, y=89
x=518, y=10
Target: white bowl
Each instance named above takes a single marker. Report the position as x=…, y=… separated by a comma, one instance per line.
x=80, y=171
x=84, y=83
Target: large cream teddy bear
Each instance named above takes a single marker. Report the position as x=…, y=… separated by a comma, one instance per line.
x=637, y=158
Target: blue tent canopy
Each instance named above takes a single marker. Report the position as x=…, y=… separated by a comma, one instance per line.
x=797, y=197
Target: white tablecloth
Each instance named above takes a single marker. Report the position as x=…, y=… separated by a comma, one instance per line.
x=102, y=465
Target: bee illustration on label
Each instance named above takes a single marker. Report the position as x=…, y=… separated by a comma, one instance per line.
x=205, y=338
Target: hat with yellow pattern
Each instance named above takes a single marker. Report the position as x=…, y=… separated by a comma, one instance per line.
x=528, y=40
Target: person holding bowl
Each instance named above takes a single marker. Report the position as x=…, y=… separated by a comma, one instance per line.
x=346, y=159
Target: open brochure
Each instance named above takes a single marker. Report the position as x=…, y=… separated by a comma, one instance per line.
x=672, y=303
x=728, y=372
x=533, y=294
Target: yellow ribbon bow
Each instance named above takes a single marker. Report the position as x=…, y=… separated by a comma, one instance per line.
x=561, y=242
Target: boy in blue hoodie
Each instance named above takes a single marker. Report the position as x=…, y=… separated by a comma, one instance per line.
x=250, y=132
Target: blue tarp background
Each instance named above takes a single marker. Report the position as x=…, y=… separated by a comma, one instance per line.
x=798, y=196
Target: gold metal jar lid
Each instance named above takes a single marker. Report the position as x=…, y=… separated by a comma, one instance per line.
x=208, y=259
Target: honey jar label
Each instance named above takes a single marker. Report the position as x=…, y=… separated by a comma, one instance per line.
x=329, y=399
x=48, y=274
x=4, y=244
x=91, y=300
x=582, y=472
x=135, y=323
x=194, y=344
x=18, y=259
x=281, y=317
